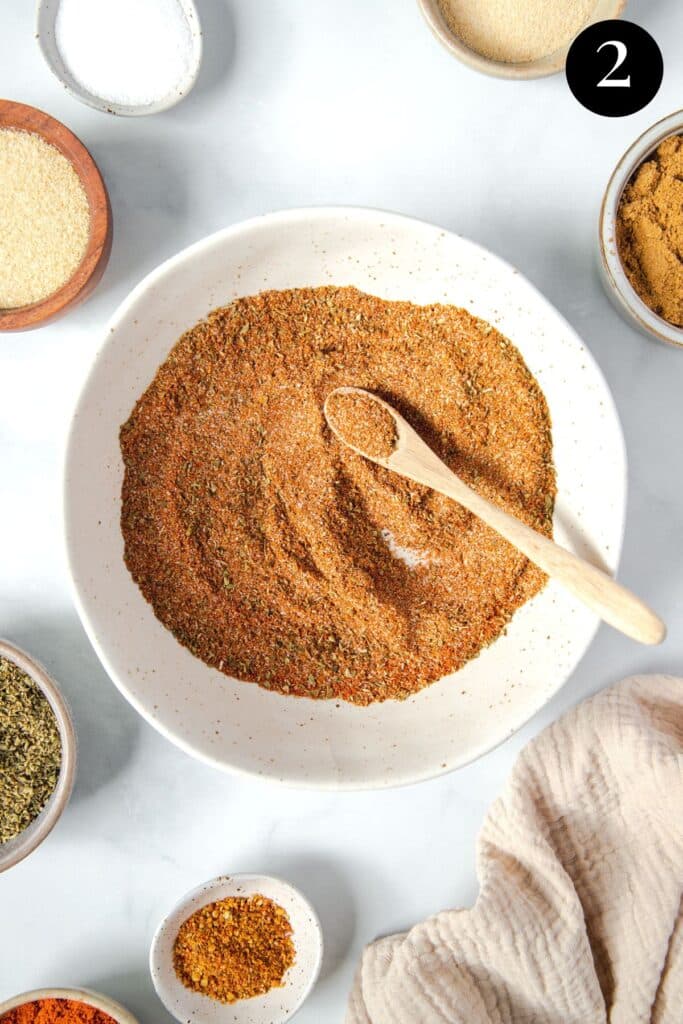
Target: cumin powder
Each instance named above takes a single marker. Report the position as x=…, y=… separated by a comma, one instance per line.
x=650, y=231
x=278, y=555
x=235, y=948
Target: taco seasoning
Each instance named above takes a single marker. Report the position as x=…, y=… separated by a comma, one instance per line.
x=273, y=551
x=235, y=948
x=362, y=423
x=30, y=750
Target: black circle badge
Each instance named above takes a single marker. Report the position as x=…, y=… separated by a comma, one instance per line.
x=615, y=68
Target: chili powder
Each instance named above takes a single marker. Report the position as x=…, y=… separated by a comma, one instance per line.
x=269, y=548
x=56, y=1011
x=235, y=948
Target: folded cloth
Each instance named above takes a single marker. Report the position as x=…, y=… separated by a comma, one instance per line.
x=580, y=918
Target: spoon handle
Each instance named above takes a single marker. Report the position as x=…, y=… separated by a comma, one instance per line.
x=612, y=602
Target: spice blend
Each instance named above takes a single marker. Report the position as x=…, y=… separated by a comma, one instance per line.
x=44, y=219
x=363, y=423
x=30, y=750
x=235, y=948
x=516, y=31
x=268, y=547
x=56, y=1011
x=650, y=231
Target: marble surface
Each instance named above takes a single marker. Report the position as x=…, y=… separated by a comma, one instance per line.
x=299, y=104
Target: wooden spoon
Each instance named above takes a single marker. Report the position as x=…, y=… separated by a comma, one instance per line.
x=414, y=459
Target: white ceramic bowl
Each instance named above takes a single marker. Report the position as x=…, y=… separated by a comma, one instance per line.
x=45, y=34
x=320, y=743
x=276, y=1006
x=84, y=995
x=32, y=836
x=614, y=278
x=540, y=68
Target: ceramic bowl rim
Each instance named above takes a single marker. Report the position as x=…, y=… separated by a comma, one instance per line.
x=617, y=284
x=83, y=603
x=205, y=888
x=541, y=67
x=83, y=995
x=54, y=62
x=59, y=798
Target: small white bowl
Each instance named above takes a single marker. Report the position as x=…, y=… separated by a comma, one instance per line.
x=83, y=995
x=45, y=33
x=276, y=1006
x=27, y=841
x=540, y=68
x=617, y=284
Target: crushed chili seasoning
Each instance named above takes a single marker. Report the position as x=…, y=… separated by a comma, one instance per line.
x=362, y=422
x=277, y=554
x=235, y=948
x=56, y=1011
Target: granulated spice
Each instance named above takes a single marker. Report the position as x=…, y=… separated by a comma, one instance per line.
x=44, y=219
x=650, y=231
x=235, y=948
x=517, y=31
x=56, y=1011
x=363, y=423
x=30, y=750
x=267, y=546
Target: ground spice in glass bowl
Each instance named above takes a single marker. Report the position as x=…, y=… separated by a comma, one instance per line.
x=278, y=555
x=235, y=948
x=650, y=231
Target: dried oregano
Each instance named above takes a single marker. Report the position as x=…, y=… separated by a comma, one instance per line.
x=30, y=750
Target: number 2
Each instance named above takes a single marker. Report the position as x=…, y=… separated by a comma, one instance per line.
x=622, y=53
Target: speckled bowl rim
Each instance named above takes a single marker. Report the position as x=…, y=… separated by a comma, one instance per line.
x=84, y=995
x=201, y=895
x=543, y=67
x=51, y=813
x=618, y=287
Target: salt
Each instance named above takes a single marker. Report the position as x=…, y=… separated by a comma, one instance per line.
x=126, y=52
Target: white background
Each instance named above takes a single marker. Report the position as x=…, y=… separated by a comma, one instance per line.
x=335, y=101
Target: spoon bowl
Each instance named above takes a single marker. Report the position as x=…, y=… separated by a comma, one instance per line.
x=46, y=34
x=414, y=459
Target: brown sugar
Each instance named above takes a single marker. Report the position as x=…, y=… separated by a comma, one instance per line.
x=362, y=422
x=650, y=231
x=235, y=948
x=274, y=552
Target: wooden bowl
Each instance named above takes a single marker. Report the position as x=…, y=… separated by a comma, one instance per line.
x=91, y=268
